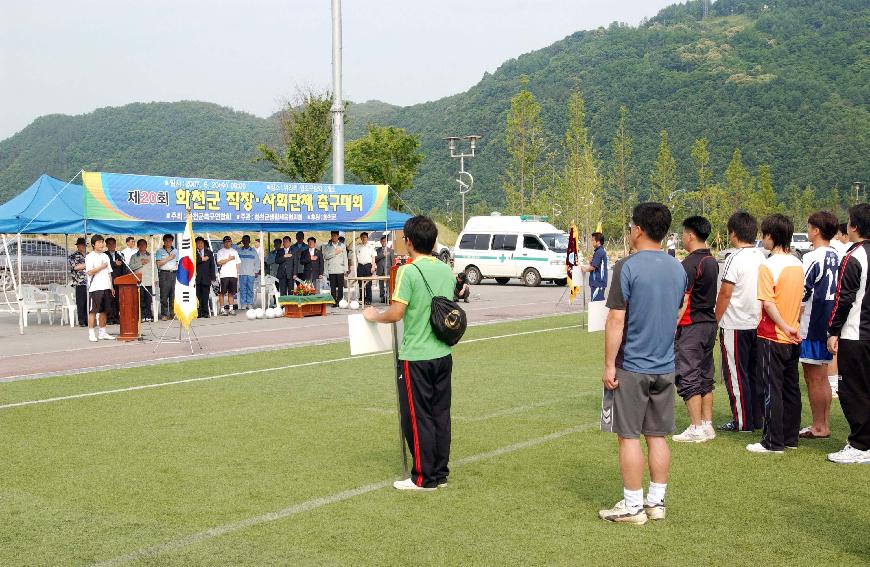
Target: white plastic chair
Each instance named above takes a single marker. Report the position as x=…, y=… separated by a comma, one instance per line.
x=272, y=292
x=64, y=301
x=36, y=301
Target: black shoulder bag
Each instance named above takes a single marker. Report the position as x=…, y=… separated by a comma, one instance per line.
x=448, y=320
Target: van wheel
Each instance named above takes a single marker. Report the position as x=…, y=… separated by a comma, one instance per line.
x=531, y=277
x=502, y=281
x=472, y=275
x=561, y=282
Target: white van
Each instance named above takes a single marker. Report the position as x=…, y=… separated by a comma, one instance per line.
x=505, y=247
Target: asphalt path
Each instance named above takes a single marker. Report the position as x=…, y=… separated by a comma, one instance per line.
x=46, y=350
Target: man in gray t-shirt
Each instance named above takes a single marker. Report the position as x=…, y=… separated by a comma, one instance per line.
x=645, y=301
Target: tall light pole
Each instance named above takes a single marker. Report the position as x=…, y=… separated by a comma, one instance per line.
x=465, y=179
x=337, y=102
x=856, y=186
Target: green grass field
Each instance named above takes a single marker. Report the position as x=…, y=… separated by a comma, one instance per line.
x=265, y=461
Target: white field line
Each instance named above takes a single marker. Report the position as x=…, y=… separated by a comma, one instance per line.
x=249, y=372
x=332, y=323
x=314, y=503
x=229, y=352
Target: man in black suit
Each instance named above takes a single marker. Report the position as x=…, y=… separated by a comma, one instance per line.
x=312, y=261
x=287, y=267
x=205, y=275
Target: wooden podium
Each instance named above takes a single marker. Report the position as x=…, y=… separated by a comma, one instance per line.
x=128, y=306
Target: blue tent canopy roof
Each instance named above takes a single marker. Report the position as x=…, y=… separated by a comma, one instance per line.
x=34, y=212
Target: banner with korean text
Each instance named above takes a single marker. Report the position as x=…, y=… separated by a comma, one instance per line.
x=125, y=197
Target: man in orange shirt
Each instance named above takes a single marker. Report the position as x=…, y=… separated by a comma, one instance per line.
x=780, y=291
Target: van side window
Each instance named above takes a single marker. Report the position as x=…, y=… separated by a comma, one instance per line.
x=504, y=242
x=474, y=242
x=532, y=243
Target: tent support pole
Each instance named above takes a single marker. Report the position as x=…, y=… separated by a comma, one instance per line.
x=155, y=313
x=20, y=281
x=263, y=302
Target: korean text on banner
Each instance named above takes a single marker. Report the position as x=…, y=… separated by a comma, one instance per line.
x=115, y=196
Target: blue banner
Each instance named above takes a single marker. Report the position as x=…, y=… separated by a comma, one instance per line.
x=115, y=196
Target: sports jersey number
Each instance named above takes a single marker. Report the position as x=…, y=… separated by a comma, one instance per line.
x=832, y=287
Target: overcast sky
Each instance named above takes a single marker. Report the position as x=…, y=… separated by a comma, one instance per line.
x=72, y=56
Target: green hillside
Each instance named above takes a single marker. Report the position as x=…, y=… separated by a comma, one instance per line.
x=786, y=82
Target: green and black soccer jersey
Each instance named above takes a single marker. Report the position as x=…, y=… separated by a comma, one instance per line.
x=419, y=342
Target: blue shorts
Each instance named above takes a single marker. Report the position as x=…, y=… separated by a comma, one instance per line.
x=815, y=352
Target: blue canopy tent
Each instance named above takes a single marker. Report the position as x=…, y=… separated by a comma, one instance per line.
x=46, y=207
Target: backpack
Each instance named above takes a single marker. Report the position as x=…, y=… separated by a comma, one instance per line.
x=447, y=319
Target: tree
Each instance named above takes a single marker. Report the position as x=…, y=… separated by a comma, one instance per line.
x=525, y=144
x=306, y=129
x=799, y=204
x=664, y=174
x=763, y=201
x=621, y=175
x=738, y=182
x=579, y=191
x=701, y=157
x=385, y=156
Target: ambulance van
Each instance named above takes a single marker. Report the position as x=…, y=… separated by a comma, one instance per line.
x=507, y=247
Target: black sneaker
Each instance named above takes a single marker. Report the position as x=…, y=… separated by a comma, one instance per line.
x=731, y=426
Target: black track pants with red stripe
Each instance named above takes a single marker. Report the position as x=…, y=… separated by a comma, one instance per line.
x=424, y=402
x=741, y=374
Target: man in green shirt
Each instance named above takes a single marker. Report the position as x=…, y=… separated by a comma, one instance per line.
x=425, y=363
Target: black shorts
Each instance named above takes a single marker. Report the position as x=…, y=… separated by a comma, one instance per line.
x=100, y=301
x=229, y=285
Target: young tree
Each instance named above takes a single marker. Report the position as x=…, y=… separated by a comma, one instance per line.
x=385, y=156
x=621, y=176
x=580, y=189
x=763, y=201
x=525, y=144
x=701, y=157
x=738, y=182
x=664, y=174
x=306, y=128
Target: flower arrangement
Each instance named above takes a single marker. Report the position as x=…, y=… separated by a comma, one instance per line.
x=304, y=288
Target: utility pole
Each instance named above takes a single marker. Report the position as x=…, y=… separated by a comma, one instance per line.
x=337, y=102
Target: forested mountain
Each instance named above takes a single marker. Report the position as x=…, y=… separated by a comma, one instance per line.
x=787, y=82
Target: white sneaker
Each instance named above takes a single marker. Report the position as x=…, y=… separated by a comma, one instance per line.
x=623, y=514
x=759, y=448
x=709, y=431
x=106, y=337
x=692, y=434
x=849, y=455
x=92, y=337
x=654, y=511
x=408, y=484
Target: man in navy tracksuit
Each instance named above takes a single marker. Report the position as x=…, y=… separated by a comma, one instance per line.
x=597, y=268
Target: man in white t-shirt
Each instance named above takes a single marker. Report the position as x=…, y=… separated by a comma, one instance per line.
x=100, y=290
x=739, y=312
x=365, y=261
x=130, y=249
x=228, y=262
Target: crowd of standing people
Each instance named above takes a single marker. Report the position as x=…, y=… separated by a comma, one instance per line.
x=772, y=313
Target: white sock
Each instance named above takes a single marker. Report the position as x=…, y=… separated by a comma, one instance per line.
x=633, y=498
x=103, y=331
x=656, y=493
x=834, y=381
x=706, y=423
x=92, y=332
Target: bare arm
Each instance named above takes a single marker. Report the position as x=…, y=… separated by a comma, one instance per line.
x=773, y=312
x=613, y=331
x=98, y=269
x=682, y=310
x=723, y=299
x=392, y=314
